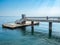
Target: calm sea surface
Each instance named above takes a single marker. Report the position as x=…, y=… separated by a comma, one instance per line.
x=23, y=36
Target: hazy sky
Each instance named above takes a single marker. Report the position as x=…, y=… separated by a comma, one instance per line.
x=30, y=7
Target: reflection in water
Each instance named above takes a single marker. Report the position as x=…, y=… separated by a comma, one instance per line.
x=23, y=30
x=32, y=30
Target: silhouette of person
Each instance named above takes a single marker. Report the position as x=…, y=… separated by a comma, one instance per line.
x=47, y=17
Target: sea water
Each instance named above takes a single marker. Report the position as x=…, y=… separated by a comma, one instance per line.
x=23, y=36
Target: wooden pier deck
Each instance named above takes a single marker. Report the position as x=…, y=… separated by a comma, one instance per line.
x=14, y=25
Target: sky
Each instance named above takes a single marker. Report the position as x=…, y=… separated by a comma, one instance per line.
x=30, y=7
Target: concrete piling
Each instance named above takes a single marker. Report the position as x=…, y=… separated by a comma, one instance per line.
x=50, y=29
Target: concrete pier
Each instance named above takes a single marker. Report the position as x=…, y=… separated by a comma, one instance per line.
x=50, y=29
x=14, y=25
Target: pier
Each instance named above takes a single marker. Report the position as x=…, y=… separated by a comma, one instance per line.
x=33, y=21
x=50, y=20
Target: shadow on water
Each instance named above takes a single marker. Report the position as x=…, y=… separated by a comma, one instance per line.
x=23, y=30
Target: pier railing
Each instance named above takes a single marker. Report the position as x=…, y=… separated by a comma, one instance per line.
x=45, y=19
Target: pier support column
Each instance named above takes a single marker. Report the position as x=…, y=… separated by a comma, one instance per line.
x=23, y=17
x=50, y=29
x=32, y=27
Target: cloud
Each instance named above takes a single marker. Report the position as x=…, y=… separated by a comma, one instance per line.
x=45, y=11
x=55, y=11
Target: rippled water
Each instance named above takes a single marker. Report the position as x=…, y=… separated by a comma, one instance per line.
x=23, y=36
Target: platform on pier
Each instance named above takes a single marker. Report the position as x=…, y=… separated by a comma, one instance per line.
x=14, y=25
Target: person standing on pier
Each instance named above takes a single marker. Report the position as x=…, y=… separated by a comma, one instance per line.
x=47, y=17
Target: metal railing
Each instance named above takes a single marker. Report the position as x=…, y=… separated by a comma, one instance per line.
x=44, y=18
